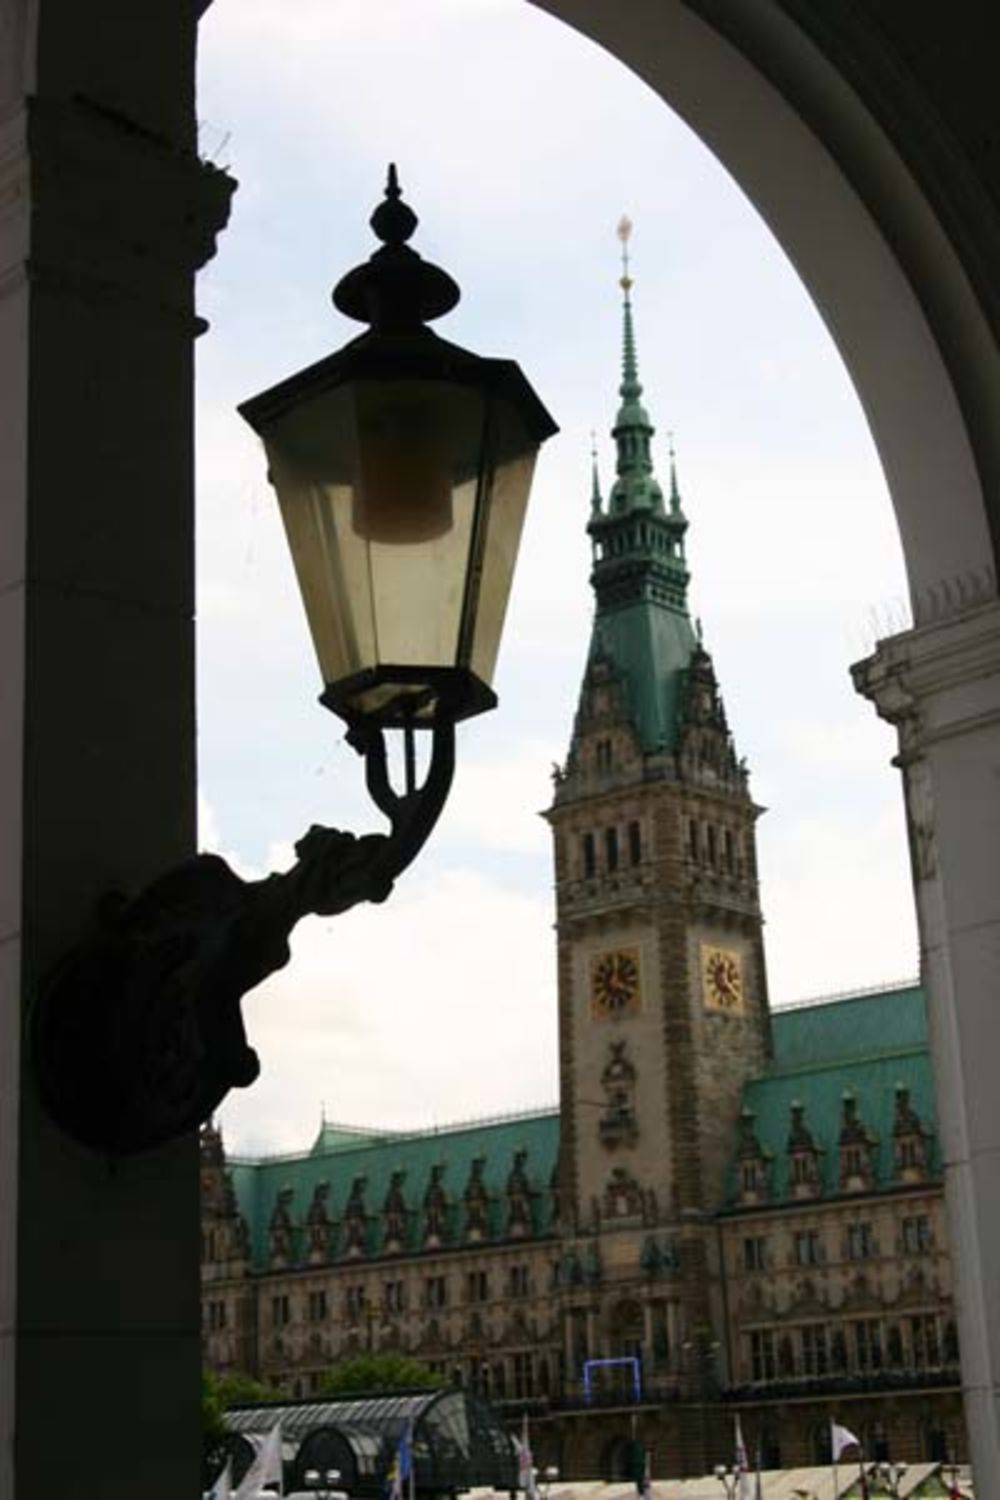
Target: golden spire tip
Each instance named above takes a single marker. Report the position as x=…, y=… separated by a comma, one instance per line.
x=624, y=233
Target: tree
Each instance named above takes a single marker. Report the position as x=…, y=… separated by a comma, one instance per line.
x=377, y=1372
x=218, y=1393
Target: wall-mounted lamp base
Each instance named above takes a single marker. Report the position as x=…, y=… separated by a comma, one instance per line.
x=138, y=1035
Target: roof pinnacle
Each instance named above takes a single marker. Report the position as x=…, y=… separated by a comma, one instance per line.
x=596, y=503
x=675, y=494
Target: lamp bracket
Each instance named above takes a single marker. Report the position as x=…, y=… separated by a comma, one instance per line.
x=138, y=1034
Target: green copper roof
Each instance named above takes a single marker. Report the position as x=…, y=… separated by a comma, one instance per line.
x=375, y=1157
x=866, y=1045
x=640, y=577
x=868, y=1025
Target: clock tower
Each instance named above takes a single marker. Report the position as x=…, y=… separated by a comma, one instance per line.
x=662, y=989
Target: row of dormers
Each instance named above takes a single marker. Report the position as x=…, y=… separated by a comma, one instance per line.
x=856, y=1153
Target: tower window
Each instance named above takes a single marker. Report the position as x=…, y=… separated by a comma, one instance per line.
x=728, y=848
x=710, y=830
x=611, y=847
x=693, y=838
x=589, y=858
x=634, y=843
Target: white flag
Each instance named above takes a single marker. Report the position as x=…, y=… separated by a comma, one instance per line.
x=525, y=1463
x=742, y=1466
x=265, y=1467
x=841, y=1438
x=222, y=1489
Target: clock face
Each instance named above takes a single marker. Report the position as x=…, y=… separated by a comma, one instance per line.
x=614, y=983
x=721, y=978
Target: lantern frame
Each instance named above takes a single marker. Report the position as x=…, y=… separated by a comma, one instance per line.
x=396, y=291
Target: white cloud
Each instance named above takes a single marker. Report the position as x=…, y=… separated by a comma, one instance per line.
x=435, y=1007
x=839, y=904
x=495, y=804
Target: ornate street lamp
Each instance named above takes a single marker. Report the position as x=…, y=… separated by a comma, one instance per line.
x=402, y=465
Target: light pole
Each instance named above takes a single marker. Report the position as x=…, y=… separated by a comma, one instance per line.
x=324, y=1482
x=892, y=1474
x=402, y=465
x=728, y=1478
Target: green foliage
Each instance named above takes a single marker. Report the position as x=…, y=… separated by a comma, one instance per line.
x=212, y=1407
x=236, y=1388
x=218, y=1392
x=377, y=1372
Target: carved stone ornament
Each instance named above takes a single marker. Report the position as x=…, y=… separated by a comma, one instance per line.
x=618, y=1125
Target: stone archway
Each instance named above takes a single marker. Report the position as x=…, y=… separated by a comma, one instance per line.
x=106, y=217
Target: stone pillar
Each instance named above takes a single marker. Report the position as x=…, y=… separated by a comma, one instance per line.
x=105, y=213
x=940, y=686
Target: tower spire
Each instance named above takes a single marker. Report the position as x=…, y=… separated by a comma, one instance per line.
x=630, y=388
x=642, y=630
x=636, y=486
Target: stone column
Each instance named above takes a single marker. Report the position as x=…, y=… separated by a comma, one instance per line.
x=105, y=213
x=939, y=685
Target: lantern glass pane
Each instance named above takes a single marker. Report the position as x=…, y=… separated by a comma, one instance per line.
x=510, y=486
x=377, y=484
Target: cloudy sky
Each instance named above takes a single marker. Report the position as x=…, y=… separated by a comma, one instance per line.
x=520, y=144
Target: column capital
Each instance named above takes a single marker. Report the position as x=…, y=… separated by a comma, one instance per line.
x=938, y=680
x=118, y=213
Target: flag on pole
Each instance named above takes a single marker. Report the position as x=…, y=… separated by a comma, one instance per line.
x=646, y=1487
x=265, y=1469
x=401, y=1467
x=744, y=1489
x=841, y=1438
x=525, y=1463
x=222, y=1489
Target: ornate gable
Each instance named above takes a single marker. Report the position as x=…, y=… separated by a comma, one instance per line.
x=394, y=1215
x=355, y=1225
x=858, y=1149
x=280, y=1230
x=476, y=1203
x=318, y=1227
x=805, y=1178
x=910, y=1141
x=753, y=1163
x=518, y=1191
x=435, y=1209
x=705, y=750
